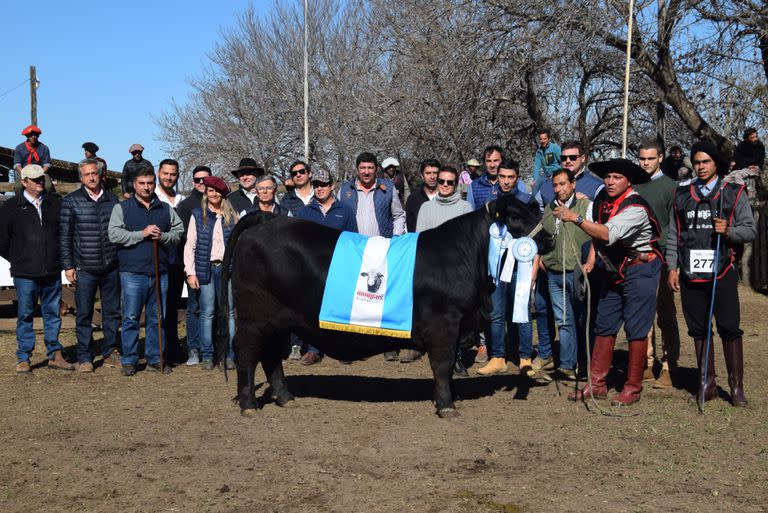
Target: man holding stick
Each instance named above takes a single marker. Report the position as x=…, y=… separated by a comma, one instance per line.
x=135, y=226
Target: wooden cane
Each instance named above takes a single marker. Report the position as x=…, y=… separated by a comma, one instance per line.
x=159, y=306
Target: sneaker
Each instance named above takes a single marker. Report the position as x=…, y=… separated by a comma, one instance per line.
x=129, y=370
x=230, y=364
x=494, y=366
x=311, y=358
x=391, y=356
x=23, y=368
x=155, y=367
x=482, y=355
x=207, y=365
x=664, y=380
x=85, y=367
x=194, y=357
x=295, y=353
x=113, y=360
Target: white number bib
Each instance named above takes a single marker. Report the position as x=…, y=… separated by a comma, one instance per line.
x=702, y=260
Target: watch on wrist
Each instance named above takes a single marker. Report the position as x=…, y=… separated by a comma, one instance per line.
x=579, y=220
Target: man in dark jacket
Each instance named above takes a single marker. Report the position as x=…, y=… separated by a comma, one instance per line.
x=90, y=150
x=301, y=193
x=245, y=199
x=29, y=240
x=131, y=167
x=134, y=226
x=429, y=170
x=184, y=210
x=749, y=153
x=390, y=169
x=90, y=262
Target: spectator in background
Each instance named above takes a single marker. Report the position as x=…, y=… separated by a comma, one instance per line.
x=482, y=188
x=168, y=177
x=133, y=226
x=574, y=160
x=90, y=150
x=390, y=169
x=325, y=210
x=32, y=151
x=471, y=172
x=89, y=260
x=209, y=229
x=750, y=152
x=301, y=193
x=676, y=166
x=546, y=159
x=29, y=240
x=184, y=210
x=266, y=188
x=429, y=170
x=244, y=199
x=131, y=167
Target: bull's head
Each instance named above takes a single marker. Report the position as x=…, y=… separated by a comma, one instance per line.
x=374, y=280
x=521, y=218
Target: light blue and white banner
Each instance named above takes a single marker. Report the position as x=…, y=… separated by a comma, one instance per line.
x=369, y=288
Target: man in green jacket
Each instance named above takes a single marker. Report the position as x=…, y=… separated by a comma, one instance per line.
x=561, y=262
x=660, y=195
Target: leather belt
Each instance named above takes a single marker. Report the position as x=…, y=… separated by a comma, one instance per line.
x=642, y=258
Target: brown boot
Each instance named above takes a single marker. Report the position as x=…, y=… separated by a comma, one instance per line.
x=602, y=356
x=734, y=361
x=59, y=363
x=630, y=394
x=707, y=385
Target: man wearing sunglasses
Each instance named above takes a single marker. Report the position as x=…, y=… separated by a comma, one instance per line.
x=246, y=199
x=301, y=194
x=29, y=240
x=574, y=160
x=193, y=201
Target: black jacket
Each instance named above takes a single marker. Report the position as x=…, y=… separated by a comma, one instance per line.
x=749, y=154
x=412, y=207
x=83, y=239
x=291, y=203
x=241, y=202
x=187, y=205
x=31, y=246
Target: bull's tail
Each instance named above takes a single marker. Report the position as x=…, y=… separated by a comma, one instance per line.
x=222, y=334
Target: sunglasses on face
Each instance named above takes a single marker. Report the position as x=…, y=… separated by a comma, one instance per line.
x=200, y=179
x=446, y=182
x=572, y=158
x=321, y=184
x=301, y=171
x=38, y=180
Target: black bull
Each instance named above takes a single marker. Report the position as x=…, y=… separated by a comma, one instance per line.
x=279, y=268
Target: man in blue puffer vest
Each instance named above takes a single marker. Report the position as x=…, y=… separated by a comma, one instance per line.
x=89, y=260
x=133, y=226
x=377, y=207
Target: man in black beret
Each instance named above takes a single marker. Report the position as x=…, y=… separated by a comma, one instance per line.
x=90, y=150
x=710, y=215
x=625, y=236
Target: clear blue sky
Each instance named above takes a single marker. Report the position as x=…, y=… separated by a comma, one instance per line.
x=105, y=68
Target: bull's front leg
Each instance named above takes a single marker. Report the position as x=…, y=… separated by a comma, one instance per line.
x=442, y=357
x=246, y=389
x=247, y=347
x=272, y=362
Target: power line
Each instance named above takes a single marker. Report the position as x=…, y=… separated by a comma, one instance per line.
x=14, y=87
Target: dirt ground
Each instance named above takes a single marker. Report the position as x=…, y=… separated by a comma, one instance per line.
x=364, y=437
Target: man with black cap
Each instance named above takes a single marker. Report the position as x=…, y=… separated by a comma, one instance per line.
x=624, y=234
x=709, y=214
x=246, y=198
x=131, y=167
x=90, y=150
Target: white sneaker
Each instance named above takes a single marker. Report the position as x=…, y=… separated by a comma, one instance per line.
x=194, y=357
x=295, y=353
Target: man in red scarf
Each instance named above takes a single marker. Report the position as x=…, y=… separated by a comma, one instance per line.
x=31, y=151
x=624, y=235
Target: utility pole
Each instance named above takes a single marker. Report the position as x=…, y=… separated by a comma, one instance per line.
x=33, y=93
x=306, y=85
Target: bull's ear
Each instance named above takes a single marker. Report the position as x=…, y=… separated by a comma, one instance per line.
x=494, y=208
x=533, y=207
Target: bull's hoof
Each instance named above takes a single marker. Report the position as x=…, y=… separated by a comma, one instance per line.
x=249, y=412
x=448, y=413
x=285, y=402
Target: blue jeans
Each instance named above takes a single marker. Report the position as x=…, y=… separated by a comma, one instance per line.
x=85, y=296
x=138, y=291
x=209, y=294
x=544, y=325
x=193, y=318
x=569, y=317
x=28, y=290
x=502, y=300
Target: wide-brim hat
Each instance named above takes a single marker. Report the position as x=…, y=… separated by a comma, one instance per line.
x=390, y=161
x=89, y=146
x=250, y=165
x=31, y=129
x=217, y=184
x=633, y=172
x=473, y=163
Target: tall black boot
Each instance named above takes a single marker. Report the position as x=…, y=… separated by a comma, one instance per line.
x=734, y=361
x=707, y=384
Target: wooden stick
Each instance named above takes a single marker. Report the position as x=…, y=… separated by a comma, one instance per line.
x=158, y=299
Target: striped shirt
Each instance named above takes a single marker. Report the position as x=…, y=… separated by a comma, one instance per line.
x=366, y=213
